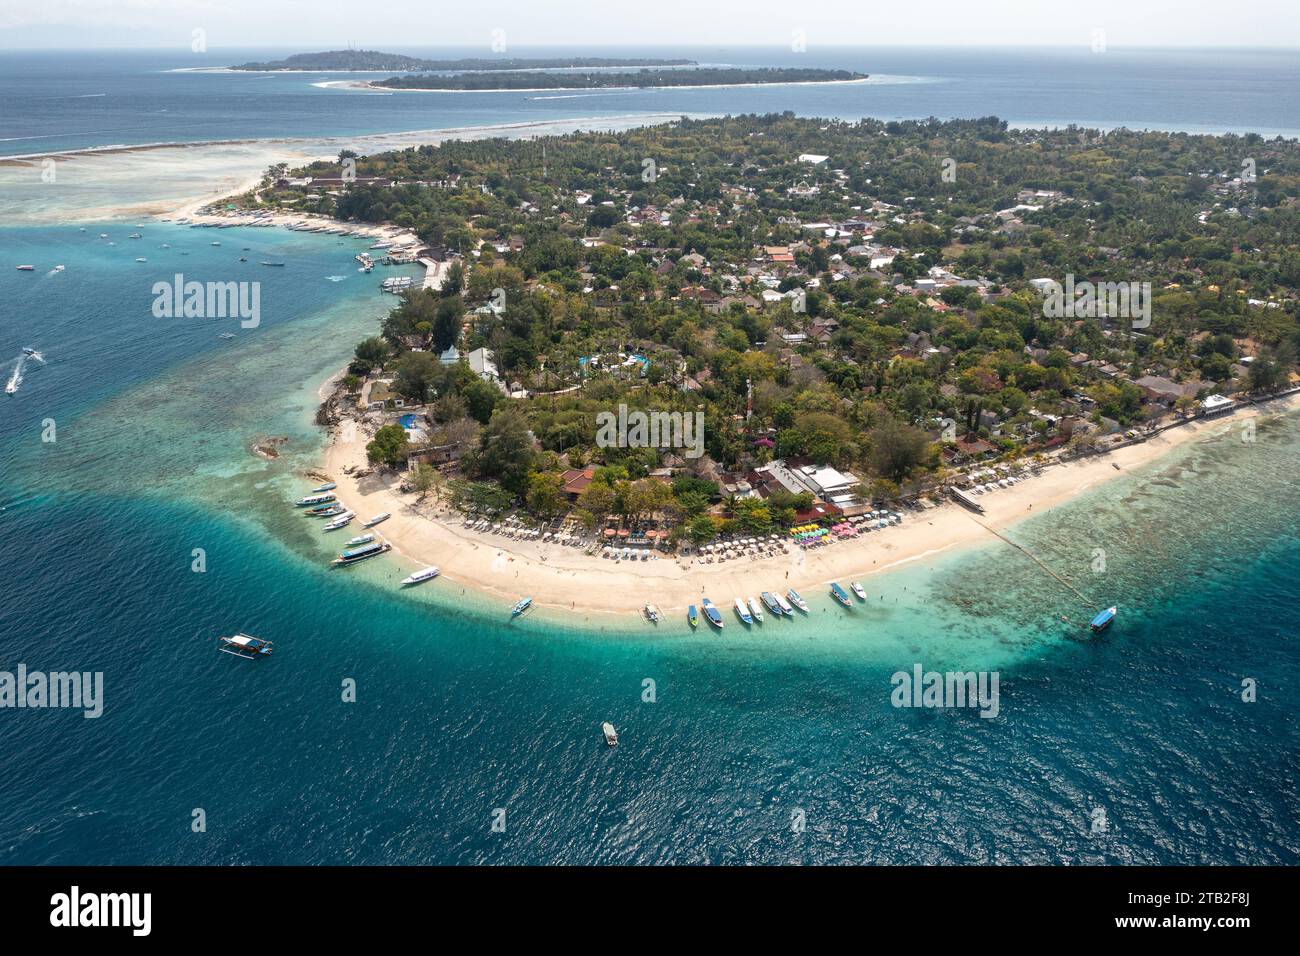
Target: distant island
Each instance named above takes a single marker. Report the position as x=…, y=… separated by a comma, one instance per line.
x=641, y=78
x=372, y=61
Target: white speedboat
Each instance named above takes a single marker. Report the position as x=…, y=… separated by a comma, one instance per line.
x=611, y=735
x=798, y=601
x=427, y=574
x=859, y=590
x=756, y=609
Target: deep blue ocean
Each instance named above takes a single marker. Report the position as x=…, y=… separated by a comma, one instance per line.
x=458, y=714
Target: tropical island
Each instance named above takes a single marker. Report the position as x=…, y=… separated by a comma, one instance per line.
x=860, y=314
x=700, y=76
x=373, y=61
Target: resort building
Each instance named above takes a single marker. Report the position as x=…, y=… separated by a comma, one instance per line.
x=822, y=482
x=381, y=393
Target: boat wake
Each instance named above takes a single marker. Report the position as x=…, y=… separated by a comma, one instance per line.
x=16, y=377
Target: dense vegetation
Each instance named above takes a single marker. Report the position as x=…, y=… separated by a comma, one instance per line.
x=641, y=78
x=871, y=311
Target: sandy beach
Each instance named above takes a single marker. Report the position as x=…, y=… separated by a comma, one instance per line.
x=566, y=578
x=373, y=87
x=173, y=180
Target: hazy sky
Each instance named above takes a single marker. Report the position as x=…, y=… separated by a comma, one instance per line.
x=331, y=24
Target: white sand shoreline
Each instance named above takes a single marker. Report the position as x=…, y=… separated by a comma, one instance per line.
x=171, y=180
x=374, y=87
x=566, y=579
x=325, y=144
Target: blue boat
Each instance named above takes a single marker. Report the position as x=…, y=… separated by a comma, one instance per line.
x=841, y=595
x=713, y=614
x=771, y=603
x=353, y=555
x=692, y=616
x=1103, y=619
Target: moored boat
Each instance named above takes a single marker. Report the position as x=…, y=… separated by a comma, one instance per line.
x=796, y=600
x=352, y=555
x=651, y=613
x=328, y=510
x=756, y=609
x=786, y=609
x=692, y=616
x=1103, y=619
x=244, y=645
x=522, y=605
x=611, y=735
x=426, y=574
x=321, y=489
x=859, y=590
x=770, y=601
x=382, y=516
x=341, y=521
x=713, y=615
x=313, y=500
x=840, y=594
x=742, y=611
x=359, y=540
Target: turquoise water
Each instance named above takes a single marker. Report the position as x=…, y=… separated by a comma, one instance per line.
x=459, y=713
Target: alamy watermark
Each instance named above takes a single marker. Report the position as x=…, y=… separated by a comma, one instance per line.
x=179, y=299
x=1098, y=300
x=932, y=689
x=126, y=910
x=624, y=429
x=81, y=690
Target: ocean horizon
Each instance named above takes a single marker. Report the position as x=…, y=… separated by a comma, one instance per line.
x=68, y=100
